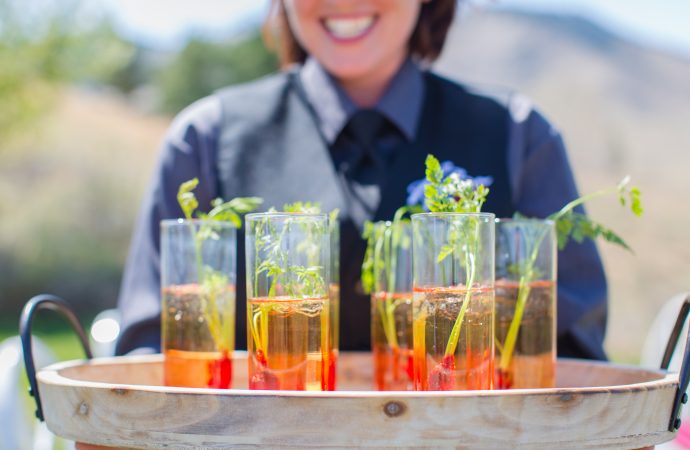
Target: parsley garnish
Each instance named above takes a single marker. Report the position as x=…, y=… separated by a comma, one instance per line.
x=384, y=240
x=212, y=282
x=569, y=225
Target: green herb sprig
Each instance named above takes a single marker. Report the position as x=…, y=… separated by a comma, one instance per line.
x=212, y=282
x=384, y=240
x=302, y=208
x=451, y=194
x=570, y=225
x=297, y=281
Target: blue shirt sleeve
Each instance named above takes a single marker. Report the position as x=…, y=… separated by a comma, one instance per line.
x=542, y=183
x=188, y=151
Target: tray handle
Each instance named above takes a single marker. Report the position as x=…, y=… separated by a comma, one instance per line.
x=684, y=375
x=34, y=305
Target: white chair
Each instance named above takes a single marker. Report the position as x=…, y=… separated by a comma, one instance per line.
x=652, y=354
x=21, y=430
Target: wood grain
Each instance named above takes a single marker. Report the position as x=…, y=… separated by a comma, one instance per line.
x=118, y=402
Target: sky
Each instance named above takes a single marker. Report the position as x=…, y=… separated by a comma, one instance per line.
x=164, y=23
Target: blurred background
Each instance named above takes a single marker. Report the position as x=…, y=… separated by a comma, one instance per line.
x=87, y=89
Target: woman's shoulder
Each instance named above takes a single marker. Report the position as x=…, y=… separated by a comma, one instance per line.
x=263, y=87
x=257, y=100
x=206, y=115
x=487, y=100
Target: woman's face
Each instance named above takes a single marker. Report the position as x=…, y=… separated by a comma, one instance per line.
x=354, y=39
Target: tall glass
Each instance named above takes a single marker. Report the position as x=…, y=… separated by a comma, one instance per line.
x=334, y=297
x=198, y=261
x=288, y=319
x=525, y=303
x=391, y=307
x=453, y=306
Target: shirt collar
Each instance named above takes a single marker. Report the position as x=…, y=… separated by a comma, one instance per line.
x=401, y=103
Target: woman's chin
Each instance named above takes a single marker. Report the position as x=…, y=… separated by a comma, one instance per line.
x=344, y=72
x=353, y=69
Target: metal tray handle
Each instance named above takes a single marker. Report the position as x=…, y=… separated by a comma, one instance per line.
x=684, y=375
x=34, y=305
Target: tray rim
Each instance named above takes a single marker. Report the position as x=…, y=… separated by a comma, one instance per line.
x=52, y=375
x=84, y=412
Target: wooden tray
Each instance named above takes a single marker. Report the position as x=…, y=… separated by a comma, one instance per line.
x=119, y=402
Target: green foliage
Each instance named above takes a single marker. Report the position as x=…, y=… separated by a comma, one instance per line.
x=367, y=270
x=450, y=193
x=213, y=283
x=435, y=199
x=579, y=227
x=308, y=280
x=379, y=267
x=229, y=211
x=632, y=195
x=576, y=226
x=303, y=207
x=186, y=198
x=569, y=225
x=203, y=67
x=333, y=218
x=380, y=235
x=39, y=52
x=296, y=280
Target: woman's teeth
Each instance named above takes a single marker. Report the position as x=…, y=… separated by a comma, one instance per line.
x=349, y=28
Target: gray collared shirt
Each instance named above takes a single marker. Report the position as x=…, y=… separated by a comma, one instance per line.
x=401, y=102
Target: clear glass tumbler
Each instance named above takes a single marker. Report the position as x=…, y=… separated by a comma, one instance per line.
x=453, y=306
x=198, y=260
x=288, y=311
x=334, y=296
x=525, y=303
x=391, y=307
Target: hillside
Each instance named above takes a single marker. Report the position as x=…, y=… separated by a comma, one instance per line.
x=71, y=187
x=622, y=109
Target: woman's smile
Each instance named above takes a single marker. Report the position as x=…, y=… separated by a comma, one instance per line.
x=349, y=28
x=361, y=43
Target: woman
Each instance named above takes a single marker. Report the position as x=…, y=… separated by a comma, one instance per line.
x=348, y=123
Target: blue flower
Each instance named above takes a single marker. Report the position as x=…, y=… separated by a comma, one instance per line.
x=482, y=180
x=449, y=168
x=415, y=190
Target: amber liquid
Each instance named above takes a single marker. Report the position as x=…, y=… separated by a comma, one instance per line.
x=471, y=365
x=393, y=361
x=198, y=337
x=289, y=343
x=533, y=362
x=334, y=335
x=198, y=369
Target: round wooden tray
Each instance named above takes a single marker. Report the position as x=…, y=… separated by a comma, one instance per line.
x=120, y=402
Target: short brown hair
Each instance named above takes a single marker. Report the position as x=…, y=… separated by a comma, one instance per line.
x=425, y=43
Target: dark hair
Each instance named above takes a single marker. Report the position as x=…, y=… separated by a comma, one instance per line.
x=425, y=43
